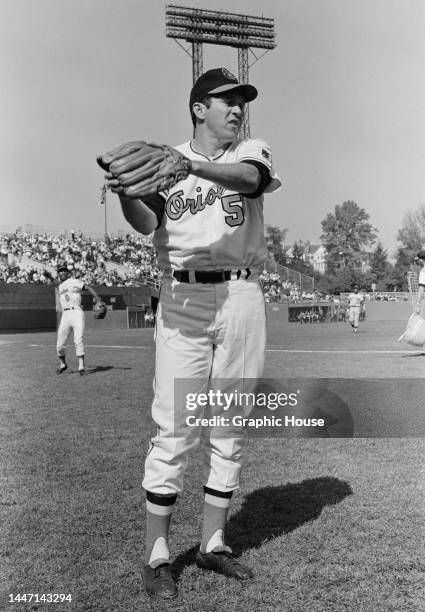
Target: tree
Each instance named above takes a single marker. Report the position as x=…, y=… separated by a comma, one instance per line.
x=297, y=251
x=401, y=267
x=342, y=281
x=346, y=235
x=275, y=238
x=412, y=232
x=380, y=267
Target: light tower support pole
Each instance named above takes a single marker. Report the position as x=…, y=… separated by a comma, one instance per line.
x=244, y=78
x=197, y=60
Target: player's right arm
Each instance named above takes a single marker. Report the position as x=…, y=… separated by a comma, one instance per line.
x=143, y=215
x=93, y=292
x=140, y=215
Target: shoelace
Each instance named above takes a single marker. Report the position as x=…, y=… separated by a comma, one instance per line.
x=161, y=572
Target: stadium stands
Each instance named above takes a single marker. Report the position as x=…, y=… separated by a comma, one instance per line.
x=32, y=257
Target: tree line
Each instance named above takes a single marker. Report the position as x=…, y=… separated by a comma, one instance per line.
x=354, y=255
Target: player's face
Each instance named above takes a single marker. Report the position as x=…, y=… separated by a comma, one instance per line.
x=63, y=275
x=224, y=116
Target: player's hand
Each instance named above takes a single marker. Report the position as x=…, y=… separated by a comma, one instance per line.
x=113, y=183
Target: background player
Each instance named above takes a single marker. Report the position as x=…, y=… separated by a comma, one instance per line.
x=72, y=317
x=211, y=315
x=355, y=304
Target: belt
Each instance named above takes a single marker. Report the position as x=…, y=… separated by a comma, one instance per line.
x=71, y=308
x=210, y=276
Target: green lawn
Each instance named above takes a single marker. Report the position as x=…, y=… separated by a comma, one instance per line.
x=327, y=524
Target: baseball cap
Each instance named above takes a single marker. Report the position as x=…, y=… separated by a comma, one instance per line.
x=62, y=268
x=420, y=255
x=219, y=80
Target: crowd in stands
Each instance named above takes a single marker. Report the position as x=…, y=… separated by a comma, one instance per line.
x=91, y=259
x=122, y=261
x=16, y=274
x=277, y=290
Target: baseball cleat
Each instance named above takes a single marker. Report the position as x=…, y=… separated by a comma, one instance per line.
x=61, y=368
x=81, y=372
x=159, y=582
x=224, y=563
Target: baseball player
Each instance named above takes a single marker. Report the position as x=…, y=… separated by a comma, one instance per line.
x=355, y=304
x=210, y=321
x=72, y=317
x=420, y=259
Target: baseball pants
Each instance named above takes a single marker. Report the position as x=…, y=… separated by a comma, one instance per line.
x=203, y=331
x=71, y=320
x=354, y=315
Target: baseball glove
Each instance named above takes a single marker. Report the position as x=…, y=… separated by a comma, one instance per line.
x=99, y=310
x=140, y=169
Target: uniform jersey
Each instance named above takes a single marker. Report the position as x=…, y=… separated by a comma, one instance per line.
x=70, y=293
x=355, y=300
x=206, y=226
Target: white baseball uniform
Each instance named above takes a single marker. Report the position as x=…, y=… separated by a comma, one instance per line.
x=72, y=316
x=421, y=280
x=355, y=301
x=207, y=330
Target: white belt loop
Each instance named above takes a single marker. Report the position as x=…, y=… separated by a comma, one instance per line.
x=192, y=278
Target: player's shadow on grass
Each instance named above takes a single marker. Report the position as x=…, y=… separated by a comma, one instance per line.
x=96, y=369
x=270, y=512
x=413, y=355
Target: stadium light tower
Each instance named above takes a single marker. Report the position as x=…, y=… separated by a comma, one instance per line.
x=244, y=32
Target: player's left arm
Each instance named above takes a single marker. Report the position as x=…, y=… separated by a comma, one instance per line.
x=242, y=177
x=250, y=175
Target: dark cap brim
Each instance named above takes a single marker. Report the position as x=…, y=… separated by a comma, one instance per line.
x=248, y=92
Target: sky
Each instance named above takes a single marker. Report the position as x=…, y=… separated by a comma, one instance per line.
x=341, y=103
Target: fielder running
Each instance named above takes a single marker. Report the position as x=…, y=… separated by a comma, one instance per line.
x=211, y=315
x=355, y=305
x=72, y=318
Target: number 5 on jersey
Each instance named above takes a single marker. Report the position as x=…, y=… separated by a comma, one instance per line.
x=232, y=204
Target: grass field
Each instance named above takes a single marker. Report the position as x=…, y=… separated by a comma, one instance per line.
x=328, y=524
